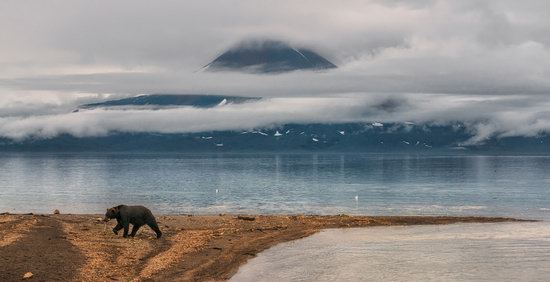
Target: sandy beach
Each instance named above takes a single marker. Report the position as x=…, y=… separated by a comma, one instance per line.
x=193, y=248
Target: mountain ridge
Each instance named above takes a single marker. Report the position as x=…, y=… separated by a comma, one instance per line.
x=194, y=100
x=357, y=137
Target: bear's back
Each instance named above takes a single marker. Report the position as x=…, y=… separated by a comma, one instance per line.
x=135, y=211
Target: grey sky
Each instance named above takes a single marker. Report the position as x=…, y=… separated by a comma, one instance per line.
x=494, y=55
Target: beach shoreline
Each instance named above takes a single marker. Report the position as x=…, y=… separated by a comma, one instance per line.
x=78, y=247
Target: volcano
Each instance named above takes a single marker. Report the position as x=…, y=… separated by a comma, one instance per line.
x=268, y=56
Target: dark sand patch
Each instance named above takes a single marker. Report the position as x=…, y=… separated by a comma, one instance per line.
x=44, y=250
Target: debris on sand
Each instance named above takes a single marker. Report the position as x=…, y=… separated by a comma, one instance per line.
x=28, y=275
x=246, y=217
x=56, y=211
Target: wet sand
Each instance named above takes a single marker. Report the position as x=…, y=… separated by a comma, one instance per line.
x=193, y=248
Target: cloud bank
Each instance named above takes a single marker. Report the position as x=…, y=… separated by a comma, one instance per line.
x=486, y=117
x=483, y=63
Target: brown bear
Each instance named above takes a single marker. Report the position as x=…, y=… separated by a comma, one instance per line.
x=135, y=215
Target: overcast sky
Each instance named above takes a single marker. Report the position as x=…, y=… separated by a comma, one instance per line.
x=486, y=63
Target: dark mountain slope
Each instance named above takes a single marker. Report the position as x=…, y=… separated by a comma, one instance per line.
x=268, y=57
x=350, y=137
x=199, y=101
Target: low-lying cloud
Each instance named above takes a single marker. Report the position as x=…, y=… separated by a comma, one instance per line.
x=485, y=117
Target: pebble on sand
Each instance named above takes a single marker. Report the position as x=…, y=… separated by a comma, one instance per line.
x=56, y=211
x=28, y=275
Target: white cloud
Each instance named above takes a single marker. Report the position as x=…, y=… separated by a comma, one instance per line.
x=459, y=47
x=486, y=117
x=484, y=63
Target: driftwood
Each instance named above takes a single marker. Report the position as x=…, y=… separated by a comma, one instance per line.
x=246, y=217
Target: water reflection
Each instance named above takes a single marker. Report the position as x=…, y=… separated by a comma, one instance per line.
x=463, y=252
x=278, y=183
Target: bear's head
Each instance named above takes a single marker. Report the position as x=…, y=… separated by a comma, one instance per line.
x=111, y=213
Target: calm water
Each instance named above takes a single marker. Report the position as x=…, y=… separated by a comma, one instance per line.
x=320, y=184
x=461, y=252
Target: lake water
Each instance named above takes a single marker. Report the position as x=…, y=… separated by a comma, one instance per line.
x=458, y=252
x=514, y=186
x=268, y=183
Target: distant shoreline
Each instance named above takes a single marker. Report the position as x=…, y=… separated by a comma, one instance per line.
x=194, y=247
x=434, y=153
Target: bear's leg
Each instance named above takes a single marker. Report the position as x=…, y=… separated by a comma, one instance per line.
x=117, y=228
x=126, y=226
x=155, y=228
x=135, y=229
